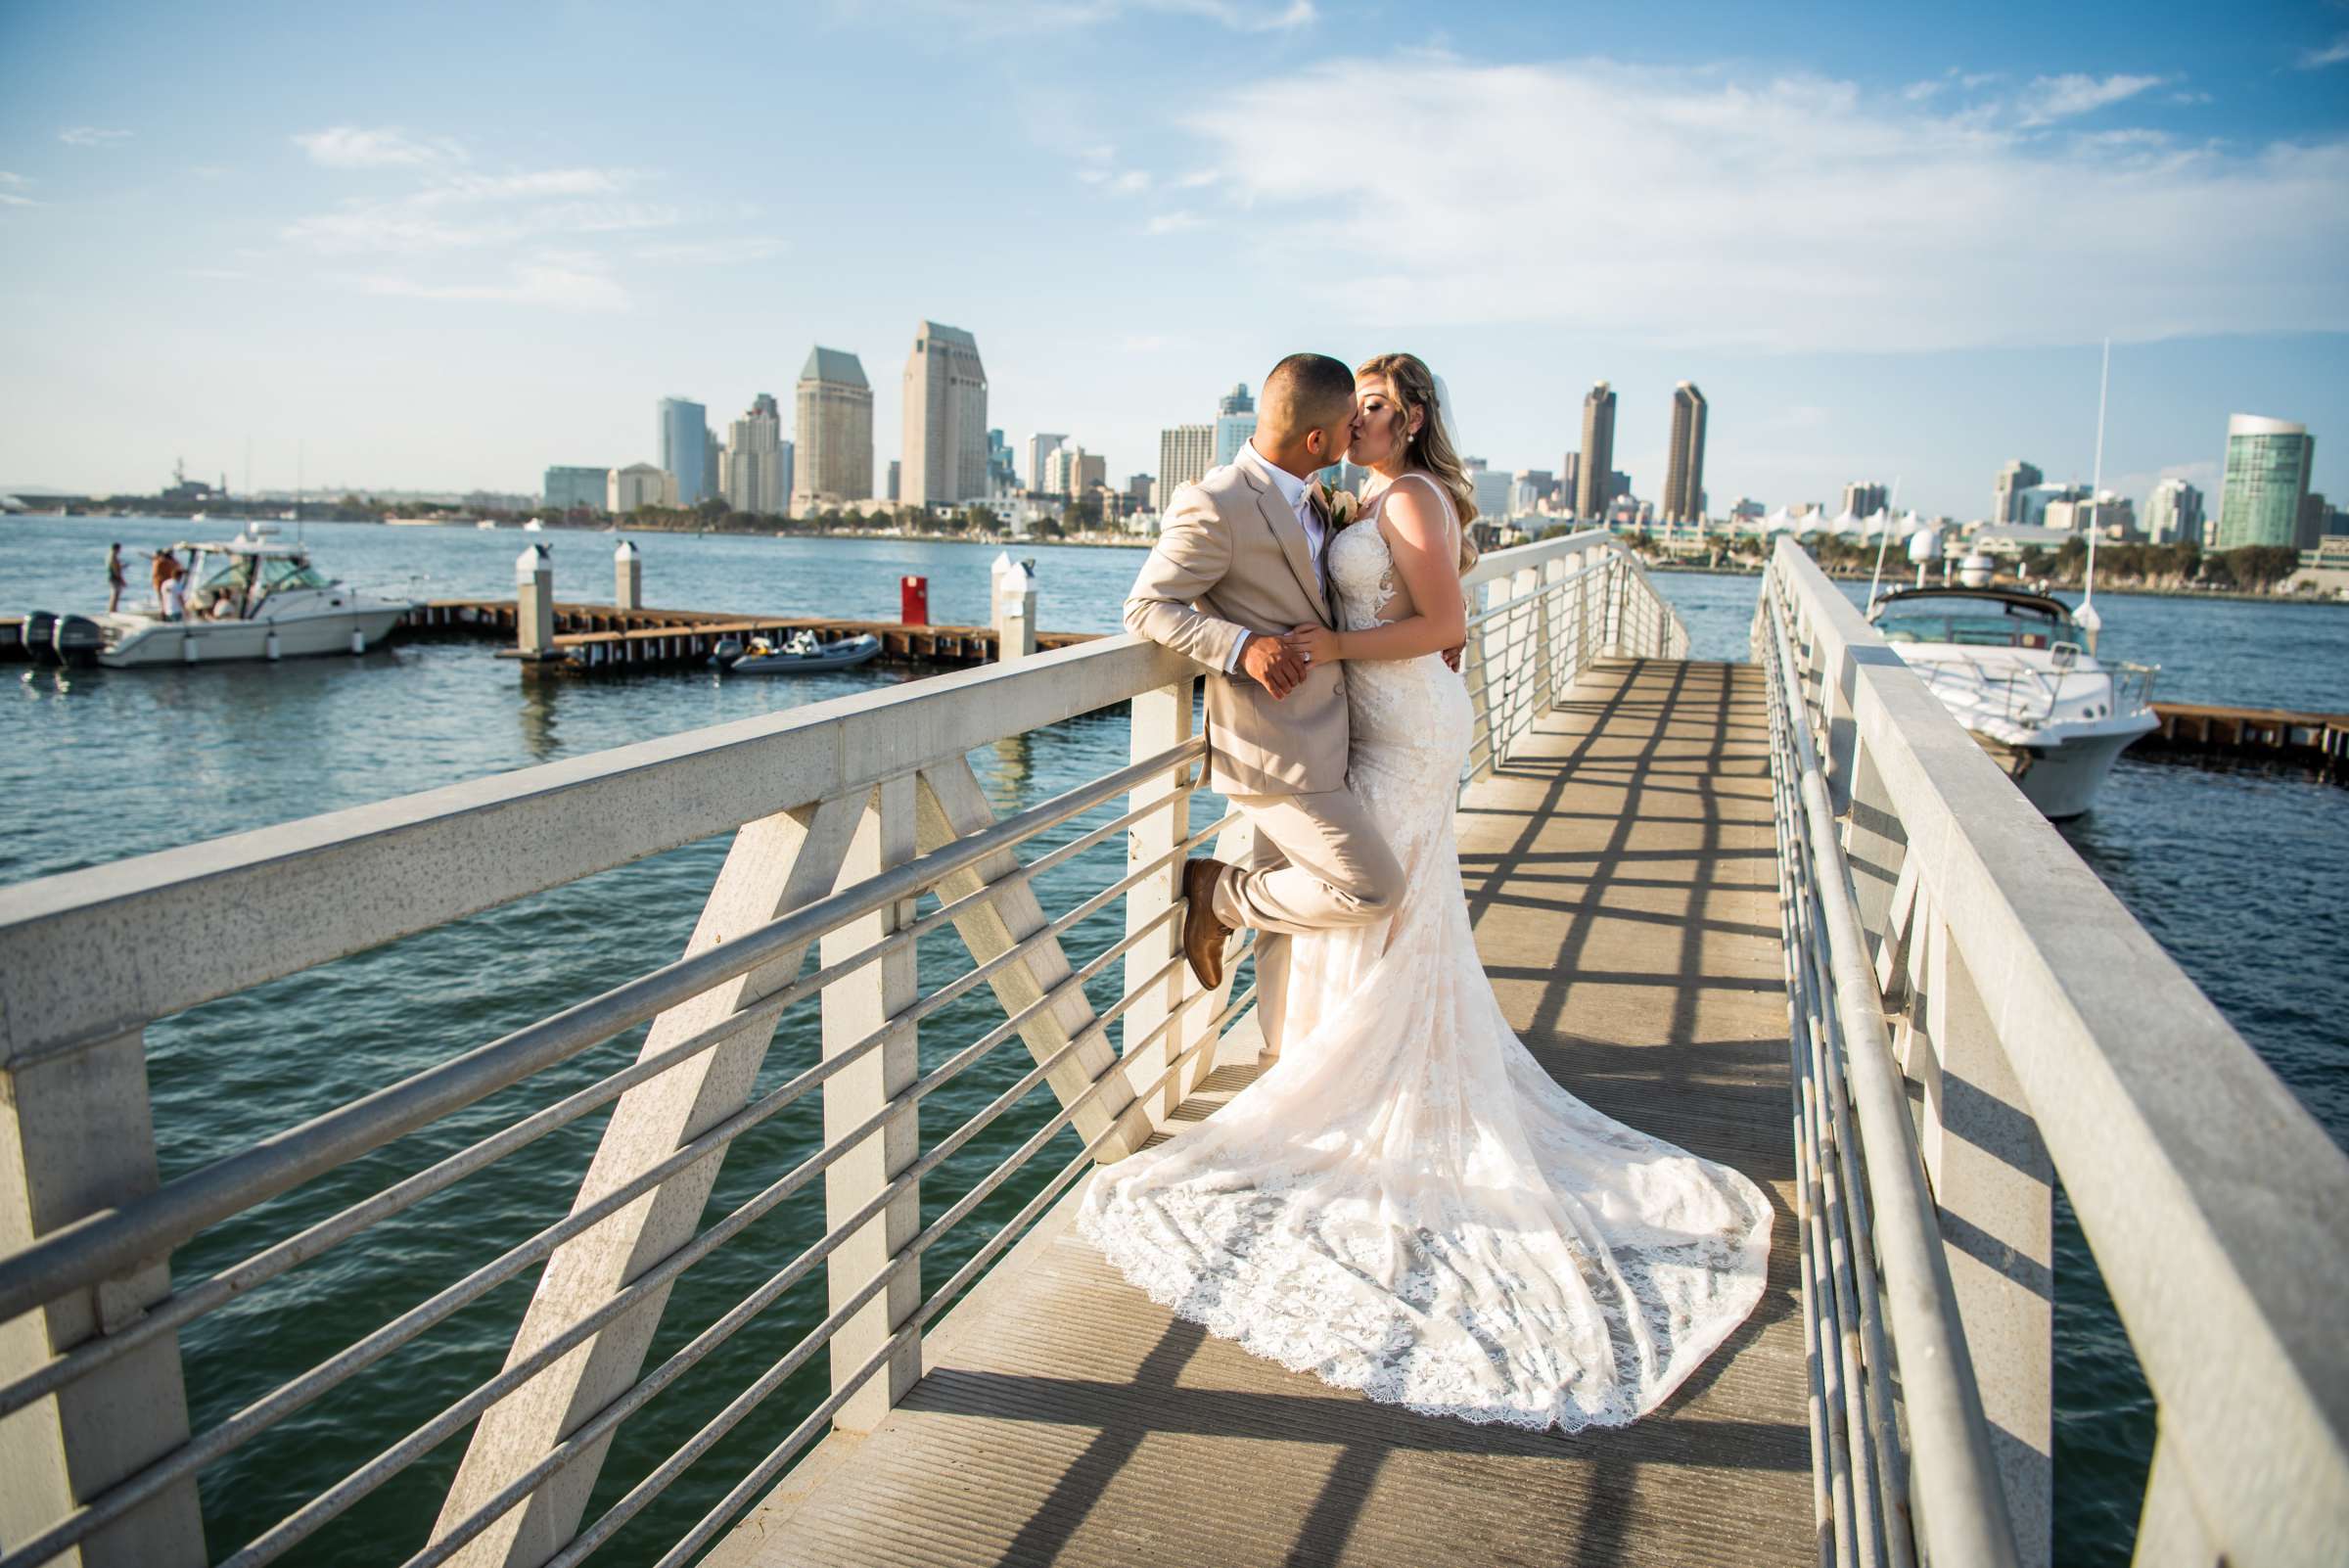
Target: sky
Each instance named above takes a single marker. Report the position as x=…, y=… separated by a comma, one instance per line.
x=445, y=247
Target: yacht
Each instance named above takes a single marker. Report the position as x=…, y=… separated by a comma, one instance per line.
x=252, y=598
x=2020, y=672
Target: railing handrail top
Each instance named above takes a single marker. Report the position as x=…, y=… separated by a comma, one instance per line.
x=2167, y=1104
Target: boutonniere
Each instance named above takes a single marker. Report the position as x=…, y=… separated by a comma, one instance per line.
x=1341, y=507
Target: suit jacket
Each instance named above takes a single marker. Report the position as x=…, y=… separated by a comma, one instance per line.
x=1231, y=557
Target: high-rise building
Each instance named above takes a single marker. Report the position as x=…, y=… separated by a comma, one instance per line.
x=1864, y=499
x=1529, y=488
x=1002, y=478
x=1684, y=464
x=784, y=471
x=1137, y=489
x=1598, y=451
x=945, y=419
x=2268, y=462
x=752, y=477
x=1569, y=475
x=835, y=459
x=2106, y=514
x=1185, y=455
x=683, y=437
x=2174, y=513
x=639, y=485
x=712, y=464
x=2315, y=518
x=893, y=489
x=1235, y=422
x=1040, y=446
x=2006, y=495
x=567, y=487
x=1085, y=470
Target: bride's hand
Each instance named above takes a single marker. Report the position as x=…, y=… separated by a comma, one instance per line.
x=1316, y=644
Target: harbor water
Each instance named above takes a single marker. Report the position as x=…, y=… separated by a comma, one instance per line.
x=2235, y=871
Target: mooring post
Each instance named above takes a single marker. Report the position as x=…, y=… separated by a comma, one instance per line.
x=1014, y=610
x=627, y=592
x=534, y=602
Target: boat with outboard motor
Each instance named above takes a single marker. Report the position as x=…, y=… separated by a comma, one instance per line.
x=253, y=597
x=803, y=653
x=2021, y=675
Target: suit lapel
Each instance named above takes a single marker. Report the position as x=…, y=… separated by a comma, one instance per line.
x=1293, y=543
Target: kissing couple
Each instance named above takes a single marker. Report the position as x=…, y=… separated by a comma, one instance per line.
x=1403, y=1202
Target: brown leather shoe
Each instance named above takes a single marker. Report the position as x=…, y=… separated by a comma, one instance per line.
x=1203, y=934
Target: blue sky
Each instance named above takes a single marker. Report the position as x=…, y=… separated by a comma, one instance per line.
x=448, y=246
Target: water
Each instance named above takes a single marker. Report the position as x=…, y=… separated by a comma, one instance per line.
x=2229, y=869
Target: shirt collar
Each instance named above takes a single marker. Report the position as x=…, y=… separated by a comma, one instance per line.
x=1291, y=488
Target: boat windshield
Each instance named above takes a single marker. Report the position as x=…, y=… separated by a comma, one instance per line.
x=282, y=572
x=236, y=584
x=1971, y=622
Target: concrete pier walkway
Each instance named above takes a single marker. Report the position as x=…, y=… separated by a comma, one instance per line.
x=1622, y=874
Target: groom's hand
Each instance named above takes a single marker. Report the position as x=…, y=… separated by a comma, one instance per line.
x=1267, y=661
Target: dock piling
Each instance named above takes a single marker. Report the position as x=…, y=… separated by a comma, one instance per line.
x=628, y=591
x=535, y=603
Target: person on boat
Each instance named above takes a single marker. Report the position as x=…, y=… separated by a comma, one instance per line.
x=166, y=569
x=116, y=579
x=175, y=593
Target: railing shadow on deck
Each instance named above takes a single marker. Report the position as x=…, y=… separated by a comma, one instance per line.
x=844, y=815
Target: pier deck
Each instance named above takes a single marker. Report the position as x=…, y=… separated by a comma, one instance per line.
x=1622, y=873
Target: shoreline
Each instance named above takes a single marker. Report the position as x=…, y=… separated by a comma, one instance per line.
x=2134, y=590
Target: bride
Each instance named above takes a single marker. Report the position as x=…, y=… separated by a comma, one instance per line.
x=1404, y=1202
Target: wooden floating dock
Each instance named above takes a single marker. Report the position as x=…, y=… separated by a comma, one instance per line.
x=1622, y=874
x=603, y=637
x=2258, y=734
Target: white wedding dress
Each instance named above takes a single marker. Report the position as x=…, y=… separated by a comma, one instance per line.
x=1405, y=1203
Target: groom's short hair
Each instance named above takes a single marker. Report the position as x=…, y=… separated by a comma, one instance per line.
x=1306, y=392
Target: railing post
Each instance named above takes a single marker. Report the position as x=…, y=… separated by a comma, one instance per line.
x=77, y=1137
x=855, y=1006
x=1161, y=719
x=1995, y=1191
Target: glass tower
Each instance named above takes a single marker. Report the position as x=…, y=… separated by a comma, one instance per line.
x=2268, y=462
x=685, y=447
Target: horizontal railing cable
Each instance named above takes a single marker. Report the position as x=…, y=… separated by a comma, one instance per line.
x=765, y=1472
x=247, y=1423
x=183, y=1307
x=114, y=1241
x=609, y=1418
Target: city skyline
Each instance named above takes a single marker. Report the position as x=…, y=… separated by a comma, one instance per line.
x=570, y=246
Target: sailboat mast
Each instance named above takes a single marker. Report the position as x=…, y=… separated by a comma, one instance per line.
x=2096, y=484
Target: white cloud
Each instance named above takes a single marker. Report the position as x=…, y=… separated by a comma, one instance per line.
x=2332, y=54
x=715, y=252
x=1131, y=183
x=91, y=136
x=2054, y=98
x=12, y=187
x=1173, y=223
x=1683, y=207
x=565, y=283
x=1197, y=179
x=386, y=146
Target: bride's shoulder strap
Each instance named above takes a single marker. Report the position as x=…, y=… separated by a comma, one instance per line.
x=1442, y=494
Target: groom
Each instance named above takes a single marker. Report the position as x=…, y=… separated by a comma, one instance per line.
x=1241, y=560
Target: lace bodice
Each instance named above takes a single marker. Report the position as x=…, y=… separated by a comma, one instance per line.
x=1405, y=1202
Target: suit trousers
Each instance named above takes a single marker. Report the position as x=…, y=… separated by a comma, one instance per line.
x=1318, y=864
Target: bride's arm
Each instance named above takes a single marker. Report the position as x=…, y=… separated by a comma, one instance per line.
x=1428, y=560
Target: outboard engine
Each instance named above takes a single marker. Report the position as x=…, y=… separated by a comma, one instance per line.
x=40, y=637
x=75, y=640
x=728, y=650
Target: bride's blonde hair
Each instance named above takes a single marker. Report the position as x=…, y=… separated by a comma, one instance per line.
x=1412, y=386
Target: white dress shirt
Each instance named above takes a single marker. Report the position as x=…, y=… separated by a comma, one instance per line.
x=1293, y=490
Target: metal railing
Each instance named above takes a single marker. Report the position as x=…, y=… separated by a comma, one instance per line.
x=1974, y=1017
x=844, y=815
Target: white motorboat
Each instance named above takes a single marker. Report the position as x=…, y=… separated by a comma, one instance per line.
x=2017, y=671
x=253, y=598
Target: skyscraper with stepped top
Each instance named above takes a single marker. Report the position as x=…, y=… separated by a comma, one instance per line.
x=945, y=419
x=1684, y=464
x=835, y=431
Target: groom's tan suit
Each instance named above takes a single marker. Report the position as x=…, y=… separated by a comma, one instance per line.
x=1233, y=559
